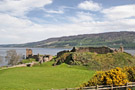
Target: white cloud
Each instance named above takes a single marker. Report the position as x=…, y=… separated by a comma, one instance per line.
x=120, y=12
x=21, y=7
x=82, y=17
x=60, y=10
x=55, y=11
x=90, y=5
x=16, y=29
x=48, y=15
x=10, y=21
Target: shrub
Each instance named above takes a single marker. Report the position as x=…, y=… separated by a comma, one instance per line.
x=130, y=71
x=114, y=76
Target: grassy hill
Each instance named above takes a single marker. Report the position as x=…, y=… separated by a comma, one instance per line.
x=44, y=77
x=97, y=61
x=111, y=39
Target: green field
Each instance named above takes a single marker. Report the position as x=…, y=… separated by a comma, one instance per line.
x=44, y=77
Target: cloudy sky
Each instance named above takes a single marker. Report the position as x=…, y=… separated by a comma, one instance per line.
x=24, y=21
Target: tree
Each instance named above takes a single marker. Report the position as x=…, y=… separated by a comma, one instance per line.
x=12, y=57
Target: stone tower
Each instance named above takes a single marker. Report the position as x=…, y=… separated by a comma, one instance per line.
x=121, y=49
x=29, y=53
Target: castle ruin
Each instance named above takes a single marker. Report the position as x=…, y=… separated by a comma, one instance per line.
x=39, y=58
x=98, y=50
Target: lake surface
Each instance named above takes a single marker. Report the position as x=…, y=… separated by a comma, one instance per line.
x=50, y=51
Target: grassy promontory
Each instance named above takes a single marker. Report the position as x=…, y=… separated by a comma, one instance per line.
x=44, y=77
x=97, y=61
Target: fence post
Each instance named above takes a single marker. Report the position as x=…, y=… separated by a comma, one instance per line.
x=127, y=86
x=97, y=87
x=112, y=87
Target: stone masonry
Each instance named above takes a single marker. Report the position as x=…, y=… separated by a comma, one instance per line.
x=98, y=50
x=28, y=53
x=40, y=58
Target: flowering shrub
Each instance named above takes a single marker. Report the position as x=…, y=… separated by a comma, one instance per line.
x=130, y=71
x=114, y=76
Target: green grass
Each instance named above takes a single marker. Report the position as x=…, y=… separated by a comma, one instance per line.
x=44, y=77
x=28, y=60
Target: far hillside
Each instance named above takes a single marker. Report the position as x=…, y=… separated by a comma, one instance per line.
x=111, y=39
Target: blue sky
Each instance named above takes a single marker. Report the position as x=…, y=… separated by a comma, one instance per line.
x=23, y=21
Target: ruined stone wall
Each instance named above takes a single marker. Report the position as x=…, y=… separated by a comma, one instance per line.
x=47, y=58
x=99, y=50
x=121, y=49
x=62, y=52
x=42, y=58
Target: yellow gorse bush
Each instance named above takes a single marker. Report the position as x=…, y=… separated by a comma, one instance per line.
x=130, y=71
x=114, y=76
